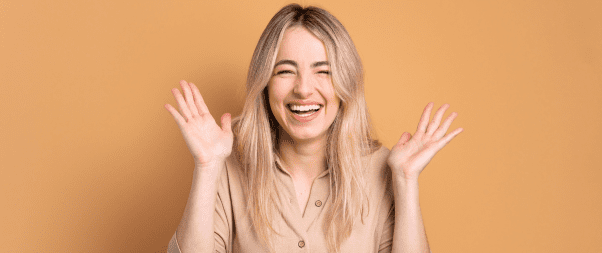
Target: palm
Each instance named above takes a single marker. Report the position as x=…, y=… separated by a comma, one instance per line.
x=411, y=154
x=207, y=142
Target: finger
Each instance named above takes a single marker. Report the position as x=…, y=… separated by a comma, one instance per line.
x=436, y=120
x=198, y=100
x=443, y=128
x=442, y=142
x=182, y=104
x=181, y=121
x=189, y=98
x=405, y=137
x=424, y=120
x=227, y=123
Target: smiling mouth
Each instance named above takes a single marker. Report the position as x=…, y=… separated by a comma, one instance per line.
x=304, y=110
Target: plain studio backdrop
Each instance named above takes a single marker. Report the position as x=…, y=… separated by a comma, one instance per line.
x=90, y=160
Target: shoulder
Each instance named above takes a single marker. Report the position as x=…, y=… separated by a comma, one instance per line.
x=377, y=176
x=230, y=185
x=377, y=160
x=229, y=174
x=233, y=167
x=376, y=169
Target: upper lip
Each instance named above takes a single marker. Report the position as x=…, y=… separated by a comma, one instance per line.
x=304, y=103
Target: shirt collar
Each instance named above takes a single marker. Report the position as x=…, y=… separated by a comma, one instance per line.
x=282, y=170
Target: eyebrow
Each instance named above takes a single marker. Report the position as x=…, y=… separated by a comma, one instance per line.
x=291, y=62
x=320, y=63
x=294, y=63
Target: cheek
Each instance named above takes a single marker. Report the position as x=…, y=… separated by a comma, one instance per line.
x=333, y=100
x=333, y=107
x=336, y=106
x=275, y=98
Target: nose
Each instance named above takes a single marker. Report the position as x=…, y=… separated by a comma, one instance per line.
x=304, y=86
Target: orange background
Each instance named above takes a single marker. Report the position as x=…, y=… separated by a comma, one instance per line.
x=92, y=162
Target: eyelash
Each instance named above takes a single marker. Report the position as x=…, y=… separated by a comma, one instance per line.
x=284, y=72
x=291, y=72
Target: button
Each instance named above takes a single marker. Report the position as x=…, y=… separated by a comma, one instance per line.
x=301, y=244
x=318, y=203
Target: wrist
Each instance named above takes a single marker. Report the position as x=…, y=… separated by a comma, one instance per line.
x=209, y=163
x=399, y=175
x=403, y=182
x=212, y=168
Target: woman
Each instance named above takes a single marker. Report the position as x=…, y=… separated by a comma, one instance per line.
x=299, y=169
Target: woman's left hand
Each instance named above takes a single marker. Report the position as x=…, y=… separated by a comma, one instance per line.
x=412, y=153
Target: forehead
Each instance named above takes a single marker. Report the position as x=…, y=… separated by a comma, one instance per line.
x=299, y=44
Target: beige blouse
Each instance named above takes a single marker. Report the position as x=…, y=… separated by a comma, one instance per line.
x=301, y=231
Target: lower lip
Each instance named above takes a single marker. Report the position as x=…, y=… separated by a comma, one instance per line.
x=305, y=118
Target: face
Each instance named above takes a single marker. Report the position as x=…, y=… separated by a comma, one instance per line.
x=300, y=91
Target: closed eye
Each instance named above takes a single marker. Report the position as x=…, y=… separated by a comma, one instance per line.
x=284, y=72
x=324, y=72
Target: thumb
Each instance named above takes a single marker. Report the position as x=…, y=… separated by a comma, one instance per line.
x=227, y=123
x=405, y=137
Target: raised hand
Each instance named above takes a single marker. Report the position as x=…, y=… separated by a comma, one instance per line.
x=412, y=153
x=208, y=143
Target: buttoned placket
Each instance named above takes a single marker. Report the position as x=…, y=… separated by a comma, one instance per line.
x=317, y=197
x=303, y=220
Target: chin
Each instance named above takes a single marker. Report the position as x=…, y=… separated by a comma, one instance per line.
x=306, y=135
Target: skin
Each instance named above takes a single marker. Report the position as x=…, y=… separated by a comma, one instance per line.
x=210, y=145
x=407, y=160
x=302, y=144
x=302, y=76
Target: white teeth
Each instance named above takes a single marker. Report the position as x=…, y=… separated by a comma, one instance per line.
x=304, y=108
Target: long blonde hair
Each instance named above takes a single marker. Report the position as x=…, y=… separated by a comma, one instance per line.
x=349, y=138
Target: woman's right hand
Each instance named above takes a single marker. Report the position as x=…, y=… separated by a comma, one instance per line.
x=209, y=144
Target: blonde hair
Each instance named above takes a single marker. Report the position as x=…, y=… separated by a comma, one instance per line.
x=349, y=138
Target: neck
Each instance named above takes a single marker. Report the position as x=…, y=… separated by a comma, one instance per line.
x=305, y=158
